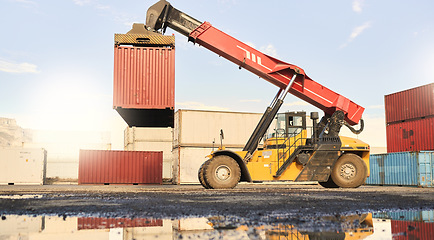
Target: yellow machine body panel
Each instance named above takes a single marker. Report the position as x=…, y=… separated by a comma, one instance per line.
x=357, y=147
x=264, y=164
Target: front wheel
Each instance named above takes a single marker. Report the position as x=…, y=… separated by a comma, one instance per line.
x=201, y=177
x=221, y=172
x=349, y=171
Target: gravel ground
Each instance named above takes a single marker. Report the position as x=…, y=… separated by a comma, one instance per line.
x=248, y=203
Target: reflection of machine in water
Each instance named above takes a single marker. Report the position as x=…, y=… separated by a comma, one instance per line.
x=349, y=227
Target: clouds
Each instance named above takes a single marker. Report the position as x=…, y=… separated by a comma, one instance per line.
x=81, y=2
x=358, y=5
x=12, y=67
x=119, y=16
x=270, y=50
x=357, y=31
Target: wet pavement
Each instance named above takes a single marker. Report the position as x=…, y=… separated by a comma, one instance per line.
x=250, y=211
x=383, y=225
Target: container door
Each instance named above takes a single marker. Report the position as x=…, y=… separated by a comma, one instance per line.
x=426, y=168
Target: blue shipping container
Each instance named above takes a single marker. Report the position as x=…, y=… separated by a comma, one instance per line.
x=402, y=169
x=413, y=216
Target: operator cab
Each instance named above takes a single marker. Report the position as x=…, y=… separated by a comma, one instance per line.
x=289, y=125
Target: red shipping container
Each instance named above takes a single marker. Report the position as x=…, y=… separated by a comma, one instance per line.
x=144, y=85
x=410, y=104
x=416, y=135
x=120, y=167
x=403, y=230
x=106, y=223
x=144, y=77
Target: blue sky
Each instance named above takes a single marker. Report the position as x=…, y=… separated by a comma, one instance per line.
x=56, y=57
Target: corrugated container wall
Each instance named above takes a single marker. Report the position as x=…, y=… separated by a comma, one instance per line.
x=402, y=169
x=410, y=104
x=412, y=215
x=120, y=167
x=194, y=128
x=144, y=83
x=144, y=77
x=107, y=223
x=415, y=135
x=197, y=134
x=151, y=139
x=404, y=230
x=23, y=166
x=187, y=161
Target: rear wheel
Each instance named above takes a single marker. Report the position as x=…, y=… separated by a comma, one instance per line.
x=349, y=171
x=221, y=172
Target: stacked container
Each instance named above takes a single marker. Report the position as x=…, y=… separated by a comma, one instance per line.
x=144, y=78
x=402, y=169
x=197, y=134
x=410, y=141
x=151, y=139
x=410, y=119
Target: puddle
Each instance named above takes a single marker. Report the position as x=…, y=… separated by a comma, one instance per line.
x=24, y=196
x=383, y=225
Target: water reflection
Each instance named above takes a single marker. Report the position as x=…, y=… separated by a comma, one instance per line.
x=388, y=225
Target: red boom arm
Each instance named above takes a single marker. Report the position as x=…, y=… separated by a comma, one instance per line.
x=275, y=71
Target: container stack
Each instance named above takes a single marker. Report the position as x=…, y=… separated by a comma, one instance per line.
x=197, y=134
x=410, y=119
x=144, y=96
x=152, y=139
x=402, y=169
x=410, y=141
x=144, y=78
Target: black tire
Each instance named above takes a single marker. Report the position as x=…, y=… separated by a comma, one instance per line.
x=329, y=184
x=349, y=171
x=200, y=176
x=221, y=172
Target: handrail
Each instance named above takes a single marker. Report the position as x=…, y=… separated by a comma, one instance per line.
x=287, y=151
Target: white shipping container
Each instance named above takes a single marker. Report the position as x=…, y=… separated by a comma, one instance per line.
x=164, y=232
x=194, y=128
x=20, y=227
x=151, y=139
x=147, y=134
x=187, y=161
x=193, y=224
x=64, y=147
x=23, y=166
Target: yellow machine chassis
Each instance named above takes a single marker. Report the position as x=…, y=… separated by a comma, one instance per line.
x=264, y=163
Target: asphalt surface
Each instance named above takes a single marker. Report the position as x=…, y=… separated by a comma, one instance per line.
x=249, y=203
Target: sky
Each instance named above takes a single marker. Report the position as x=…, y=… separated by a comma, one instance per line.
x=56, y=57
